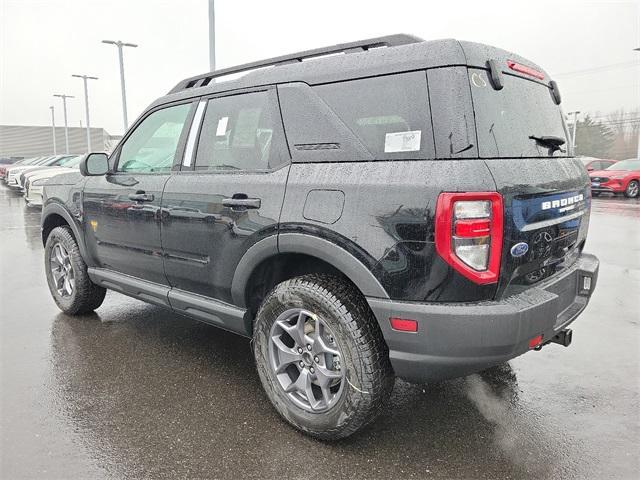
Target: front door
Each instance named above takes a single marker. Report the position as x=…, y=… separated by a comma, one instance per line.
x=122, y=209
x=227, y=196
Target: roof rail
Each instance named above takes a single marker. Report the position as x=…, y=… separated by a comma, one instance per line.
x=351, y=47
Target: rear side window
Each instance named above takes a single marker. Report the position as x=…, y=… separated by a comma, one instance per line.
x=239, y=133
x=505, y=119
x=389, y=114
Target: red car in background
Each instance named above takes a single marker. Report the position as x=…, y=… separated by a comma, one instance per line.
x=592, y=164
x=621, y=177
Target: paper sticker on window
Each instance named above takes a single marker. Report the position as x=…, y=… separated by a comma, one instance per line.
x=222, y=127
x=402, y=141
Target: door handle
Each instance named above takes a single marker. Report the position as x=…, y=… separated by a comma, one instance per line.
x=141, y=197
x=241, y=203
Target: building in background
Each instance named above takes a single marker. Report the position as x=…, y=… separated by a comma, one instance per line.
x=26, y=141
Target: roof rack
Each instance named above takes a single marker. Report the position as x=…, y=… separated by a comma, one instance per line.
x=351, y=47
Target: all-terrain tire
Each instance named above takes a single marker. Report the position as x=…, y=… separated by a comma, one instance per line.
x=368, y=374
x=85, y=296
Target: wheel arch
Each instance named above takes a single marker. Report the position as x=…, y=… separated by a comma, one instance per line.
x=273, y=260
x=55, y=215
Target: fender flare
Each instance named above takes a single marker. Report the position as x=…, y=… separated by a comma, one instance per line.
x=58, y=209
x=310, y=245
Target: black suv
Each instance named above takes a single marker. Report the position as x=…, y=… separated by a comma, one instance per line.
x=384, y=207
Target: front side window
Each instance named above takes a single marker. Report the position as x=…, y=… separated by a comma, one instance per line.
x=389, y=114
x=153, y=144
x=238, y=134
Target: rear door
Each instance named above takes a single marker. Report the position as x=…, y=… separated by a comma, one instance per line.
x=228, y=194
x=546, y=192
x=122, y=208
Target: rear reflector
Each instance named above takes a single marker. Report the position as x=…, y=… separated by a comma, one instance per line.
x=404, y=325
x=517, y=67
x=535, y=341
x=473, y=228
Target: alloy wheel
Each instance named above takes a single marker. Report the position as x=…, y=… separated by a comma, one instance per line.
x=62, y=270
x=632, y=189
x=306, y=360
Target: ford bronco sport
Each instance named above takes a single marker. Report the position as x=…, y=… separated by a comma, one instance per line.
x=388, y=207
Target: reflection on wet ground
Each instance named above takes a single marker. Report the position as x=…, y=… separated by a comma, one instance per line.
x=135, y=391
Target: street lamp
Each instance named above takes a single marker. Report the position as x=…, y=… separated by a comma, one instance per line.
x=212, y=36
x=53, y=129
x=86, y=105
x=64, y=108
x=573, y=135
x=638, y=151
x=120, y=44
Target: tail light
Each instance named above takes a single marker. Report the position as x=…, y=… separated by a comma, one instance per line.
x=469, y=233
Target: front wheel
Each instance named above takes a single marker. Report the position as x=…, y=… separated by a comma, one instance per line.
x=321, y=356
x=67, y=277
x=632, y=189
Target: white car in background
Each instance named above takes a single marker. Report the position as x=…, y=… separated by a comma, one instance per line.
x=34, y=181
x=64, y=165
x=13, y=171
x=13, y=174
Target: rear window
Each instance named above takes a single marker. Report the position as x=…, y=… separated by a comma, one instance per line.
x=505, y=119
x=389, y=114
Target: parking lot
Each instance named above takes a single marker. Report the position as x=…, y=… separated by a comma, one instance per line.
x=135, y=391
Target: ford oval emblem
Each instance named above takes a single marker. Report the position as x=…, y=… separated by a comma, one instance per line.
x=519, y=249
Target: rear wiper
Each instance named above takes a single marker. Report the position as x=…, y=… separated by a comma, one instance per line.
x=551, y=142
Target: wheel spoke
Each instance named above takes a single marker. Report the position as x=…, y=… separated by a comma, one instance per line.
x=286, y=355
x=321, y=347
x=296, y=331
x=324, y=376
x=67, y=286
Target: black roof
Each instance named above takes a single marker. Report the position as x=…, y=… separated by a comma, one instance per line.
x=365, y=58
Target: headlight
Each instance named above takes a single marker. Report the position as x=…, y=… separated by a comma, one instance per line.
x=40, y=181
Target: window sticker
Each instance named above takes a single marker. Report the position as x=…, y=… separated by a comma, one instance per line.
x=246, y=128
x=221, y=130
x=402, y=141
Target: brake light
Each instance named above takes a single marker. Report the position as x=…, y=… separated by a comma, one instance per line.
x=518, y=67
x=469, y=233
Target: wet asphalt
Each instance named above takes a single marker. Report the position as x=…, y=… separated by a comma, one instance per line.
x=135, y=391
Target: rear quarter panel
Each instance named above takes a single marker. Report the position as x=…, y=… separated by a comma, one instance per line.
x=387, y=219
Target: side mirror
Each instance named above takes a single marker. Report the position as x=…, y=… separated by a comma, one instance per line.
x=94, y=165
x=590, y=169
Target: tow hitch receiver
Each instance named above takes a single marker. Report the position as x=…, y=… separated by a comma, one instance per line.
x=563, y=337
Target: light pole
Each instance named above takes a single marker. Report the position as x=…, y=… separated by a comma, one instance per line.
x=53, y=129
x=86, y=105
x=638, y=151
x=120, y=44
x=66, y=128
x=573, y=134
x=212, y=36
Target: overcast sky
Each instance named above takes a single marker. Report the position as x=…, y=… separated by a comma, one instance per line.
x=587, y=46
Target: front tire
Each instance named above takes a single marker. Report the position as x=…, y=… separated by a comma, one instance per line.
x=321, y=356
x=67, y=277
x=633, y=187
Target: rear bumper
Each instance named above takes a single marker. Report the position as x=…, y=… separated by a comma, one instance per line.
x=457, y=339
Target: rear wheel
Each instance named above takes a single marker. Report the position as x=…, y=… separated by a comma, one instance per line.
x=67, y=277
x=632, y=189
x=321, y=357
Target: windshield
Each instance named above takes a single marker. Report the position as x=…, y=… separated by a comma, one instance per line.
x=72, y=161
x=631, y=164
x=507, y=118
